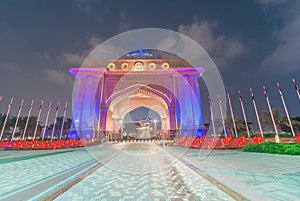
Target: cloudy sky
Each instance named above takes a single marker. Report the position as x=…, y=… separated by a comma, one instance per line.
x=253, y=42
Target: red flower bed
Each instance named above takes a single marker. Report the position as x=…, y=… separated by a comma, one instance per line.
x=226, y=143
x=58, y=144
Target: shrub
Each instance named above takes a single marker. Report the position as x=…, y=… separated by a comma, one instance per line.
x=274, y=148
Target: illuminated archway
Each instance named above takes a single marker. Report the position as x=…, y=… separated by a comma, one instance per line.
x=104, y=96
x=133, y=100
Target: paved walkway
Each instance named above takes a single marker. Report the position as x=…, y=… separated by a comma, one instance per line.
x=24, y=173
x=253, y=175
x=144, y=171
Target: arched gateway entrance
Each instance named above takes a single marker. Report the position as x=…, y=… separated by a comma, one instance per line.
x=105, y=95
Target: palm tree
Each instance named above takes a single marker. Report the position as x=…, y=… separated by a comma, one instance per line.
x=59, y=120
x=21, y=124
x=31, y=126
x=281, y=120
x=2, y=119
x=10, y=123
x=240, y=125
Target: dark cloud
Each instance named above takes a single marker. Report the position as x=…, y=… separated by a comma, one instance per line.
x=285, y=57
x=253, y=42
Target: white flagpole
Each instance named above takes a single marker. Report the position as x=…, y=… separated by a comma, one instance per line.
x=38, y=119
x=256, y=113
x=212, y=116
x=232, y=115
x=244, y=113
x=63, y=122
x=54, y=124
x=222, y=116
x=46, y=121
x=297, y=88
x=7, y=114
x=285, y=108
x=18, y=116
x=271, y=113
x=27, y=121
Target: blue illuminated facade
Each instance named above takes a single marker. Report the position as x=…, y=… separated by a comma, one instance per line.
x=100, y=93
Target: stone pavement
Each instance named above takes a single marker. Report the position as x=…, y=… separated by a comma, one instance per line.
x=253, y=175
x=144, y=171
x=23, y=171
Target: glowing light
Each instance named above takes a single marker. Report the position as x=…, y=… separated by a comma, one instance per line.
x=125, y=66
x=43, y=144
x=111, y=66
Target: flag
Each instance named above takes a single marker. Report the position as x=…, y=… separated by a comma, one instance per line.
x=49, y=107
x=265, y=91
x=11, y=101
x=252, y=94
x=66, y=106
x=279, y=89
x=58, y=105
x=41, y=105
x=295, y=85
x=31, y=105
x=239, y=94
x=228, y=96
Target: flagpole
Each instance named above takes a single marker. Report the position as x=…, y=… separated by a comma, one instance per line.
x=63, y=122
x=46, y=121
x=285, y=108
x=38, y=119
x=54, y=124
x=212, y=116
x=244, y=113
x=18, y=116
x=256, y=113
x=27, y=121
x=232, y=115
x=222, y=116
x=271, y=113
x=296, y=88
x=6, y=117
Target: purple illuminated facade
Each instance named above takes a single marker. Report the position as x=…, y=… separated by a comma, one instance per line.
x=103, y=96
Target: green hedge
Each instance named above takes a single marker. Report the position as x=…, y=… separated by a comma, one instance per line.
x=274, y=148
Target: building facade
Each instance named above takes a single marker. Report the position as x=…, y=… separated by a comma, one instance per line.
x=106, y=91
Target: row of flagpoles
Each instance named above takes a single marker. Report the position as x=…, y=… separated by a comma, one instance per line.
x=255, y=109
x=38, y=119
x=210, y=105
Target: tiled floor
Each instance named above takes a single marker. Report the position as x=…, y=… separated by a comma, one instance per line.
x=144, y=171
x=255, y=176
x=20, y=174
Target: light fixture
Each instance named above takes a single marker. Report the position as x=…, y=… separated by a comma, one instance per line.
x=125, y=66
x=111, y=66
x=138, y=65
x=165, y=66
x=152, y=66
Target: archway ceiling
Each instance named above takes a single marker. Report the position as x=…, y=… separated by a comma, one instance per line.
x=131, y=103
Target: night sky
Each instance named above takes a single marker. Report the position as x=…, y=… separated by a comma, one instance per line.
x=253, y=43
